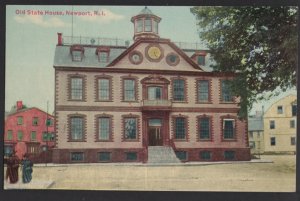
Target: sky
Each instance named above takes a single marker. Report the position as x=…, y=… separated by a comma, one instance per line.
x=31, y=37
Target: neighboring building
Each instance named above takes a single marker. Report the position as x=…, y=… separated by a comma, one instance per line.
x=280, y=122
x=256, y=134
x=112, y=102
x=26, y=132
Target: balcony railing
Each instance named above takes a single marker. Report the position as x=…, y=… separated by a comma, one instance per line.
x=156, y=104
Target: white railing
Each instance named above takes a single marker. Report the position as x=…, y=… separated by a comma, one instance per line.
x=156, y=103
x=69, y=40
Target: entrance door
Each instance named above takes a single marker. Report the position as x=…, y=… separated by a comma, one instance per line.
x=154, y=132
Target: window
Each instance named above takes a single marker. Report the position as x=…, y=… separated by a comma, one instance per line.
x=205, y=155
x=273, y=141
x=292, y=124
x=148, y=24
x=103, y=56
x=104, y=128
x=76, y=88
x=178, y=90
x=77, y=156
x=258, y=134
x=76, y=128
x=250, y=134
x=181, y=155
x=131, y=156
x=104, y=89
x=20, y=135
x=33, y=136
x=252, y=145
x=272, y=124
x=77, y=55
x=155, y=26
x=203, y=90
x=226, y=92
x=129, y=90
x=279, y=110
x=293, y=141
x=19, y=120
x=229, y=155
x=180, y=128
x=48, y=136
x=104, y=156
x=35, y=121
x=154, y=93
x=130, y=128
x=49, y=122
x=201, y=60
x=204, y=128
x=228, y=128
x=139, y=25
x=9, y=135
x=294, y=110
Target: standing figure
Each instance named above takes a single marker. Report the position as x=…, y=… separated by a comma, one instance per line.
x=12, y=169
x=26, y=169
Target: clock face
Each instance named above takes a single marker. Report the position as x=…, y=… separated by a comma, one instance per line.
x=154, y=52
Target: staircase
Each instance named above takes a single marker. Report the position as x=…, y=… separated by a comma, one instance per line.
x=161, y=154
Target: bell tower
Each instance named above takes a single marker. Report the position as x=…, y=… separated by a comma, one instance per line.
x=145, y=24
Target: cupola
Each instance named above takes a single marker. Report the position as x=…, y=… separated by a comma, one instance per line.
x=145, y=24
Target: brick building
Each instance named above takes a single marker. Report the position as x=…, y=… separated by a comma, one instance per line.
x=122, y=103
x=26, y=132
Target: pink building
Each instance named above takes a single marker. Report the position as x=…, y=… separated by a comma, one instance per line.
x=26, y=131
x=151, y=101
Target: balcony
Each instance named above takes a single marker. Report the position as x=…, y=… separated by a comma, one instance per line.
x=162, y=105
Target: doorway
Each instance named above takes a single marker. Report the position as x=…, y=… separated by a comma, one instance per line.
x=154, y=132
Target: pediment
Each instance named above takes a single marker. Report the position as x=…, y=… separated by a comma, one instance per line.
x=155, y=54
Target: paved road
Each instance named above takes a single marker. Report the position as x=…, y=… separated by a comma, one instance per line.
x=278, y=176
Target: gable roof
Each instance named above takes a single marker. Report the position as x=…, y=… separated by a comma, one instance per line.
x=159, y=41
x=28, y=109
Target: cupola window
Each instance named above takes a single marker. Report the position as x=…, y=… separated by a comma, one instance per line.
x=148, y=25
x=155, y=26
x=139, y=25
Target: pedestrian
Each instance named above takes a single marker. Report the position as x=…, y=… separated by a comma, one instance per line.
x=12, y=169
x=26, y=169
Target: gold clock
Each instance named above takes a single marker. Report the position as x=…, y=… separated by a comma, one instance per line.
x=154, y=53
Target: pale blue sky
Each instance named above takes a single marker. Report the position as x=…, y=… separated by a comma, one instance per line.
x=31, y=41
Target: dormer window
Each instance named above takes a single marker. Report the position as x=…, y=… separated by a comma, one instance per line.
x=77, y=52
x=201, y=60
x=148, y=25
x=103, y=54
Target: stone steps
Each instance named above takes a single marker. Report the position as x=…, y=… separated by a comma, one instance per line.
x=161, y=154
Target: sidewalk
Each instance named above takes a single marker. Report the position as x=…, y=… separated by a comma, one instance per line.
x=32, y=185
x=154, y=164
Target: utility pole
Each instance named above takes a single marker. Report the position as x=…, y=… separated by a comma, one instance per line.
x=47, y=135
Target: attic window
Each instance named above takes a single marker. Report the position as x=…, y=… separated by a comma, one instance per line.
x=201, y=60
x=77, y=52
x=103, y=54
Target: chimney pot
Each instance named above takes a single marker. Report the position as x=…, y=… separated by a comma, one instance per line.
x=19, y=105
x=59, y=38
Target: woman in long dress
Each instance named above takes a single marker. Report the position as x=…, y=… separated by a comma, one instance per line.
x=26, y=169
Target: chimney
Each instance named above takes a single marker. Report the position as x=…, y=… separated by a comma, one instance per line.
x=59, y=39
x=19, y=105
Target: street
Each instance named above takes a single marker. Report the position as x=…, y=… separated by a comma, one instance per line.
x=278, y=176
